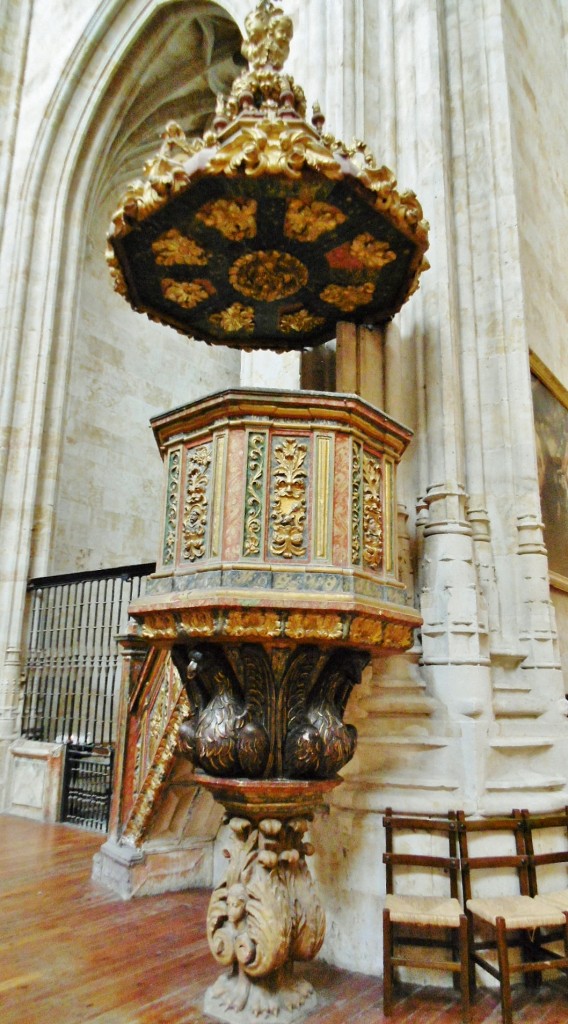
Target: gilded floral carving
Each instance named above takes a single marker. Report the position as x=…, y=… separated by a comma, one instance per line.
x=348, y=297
x=366, y=631
x=266, y=276
x=288, y=501
x=372, y=513
x=159, y=624
x=194, y=523
x=305, y=222
x=234, y=319
x=397, y=635
x=187, y=294
x=197, y=622
x=234, y=218
x=301, y=322
x=256, y=457
x=314, y=626
x=263, y=624
x=173, y=248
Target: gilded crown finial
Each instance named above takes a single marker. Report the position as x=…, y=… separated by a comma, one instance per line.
x=269, y=32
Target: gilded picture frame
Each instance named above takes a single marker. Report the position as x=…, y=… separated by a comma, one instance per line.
x=550, y=404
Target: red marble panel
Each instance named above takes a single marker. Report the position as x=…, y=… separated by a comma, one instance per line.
x=233, y=519
x=341, y=501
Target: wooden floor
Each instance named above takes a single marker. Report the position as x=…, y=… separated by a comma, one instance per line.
x=70, y=952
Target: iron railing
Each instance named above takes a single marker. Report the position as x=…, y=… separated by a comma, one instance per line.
x=72, y=671
x=87, y=786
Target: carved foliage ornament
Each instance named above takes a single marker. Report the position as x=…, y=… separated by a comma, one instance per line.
x=264, y=915
x=194, y=522
x=255, y=716
x=288, y=499
x=234, y=218
x=372, y=513
x=256, y=466
x=173, y=248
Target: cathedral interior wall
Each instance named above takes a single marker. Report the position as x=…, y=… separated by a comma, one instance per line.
x=466, y=103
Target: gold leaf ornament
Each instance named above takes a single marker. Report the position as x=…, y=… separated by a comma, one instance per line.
x=300, y=322
x=186, y=294
x=371, y=252
x=235, y=318
x=266, y=276
x=172, y=248
x=235, y=218
x=348, y=297
x=305, y=222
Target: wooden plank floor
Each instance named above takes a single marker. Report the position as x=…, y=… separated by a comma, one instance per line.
x=72, y=953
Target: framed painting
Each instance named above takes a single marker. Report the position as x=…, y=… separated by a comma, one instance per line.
x=550, y=403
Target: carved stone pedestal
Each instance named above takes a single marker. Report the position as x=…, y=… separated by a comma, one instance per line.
x=265, y=914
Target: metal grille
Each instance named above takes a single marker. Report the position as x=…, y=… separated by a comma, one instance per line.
x=72, y=671
x=87, y=786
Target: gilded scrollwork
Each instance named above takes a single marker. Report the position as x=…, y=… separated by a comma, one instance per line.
x=266, y=276
x=174, y=464
x=274, y=148
x=348, y=297
x=372, y=513
x=194, y=523
x=256, y=465
x=233, y=218
x=172, y=248
x=306, y=221
x=288, y=499
x=156, y=775
x=234, y=318
x=186, y=294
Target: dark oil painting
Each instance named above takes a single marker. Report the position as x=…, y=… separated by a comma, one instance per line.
x=551, y=425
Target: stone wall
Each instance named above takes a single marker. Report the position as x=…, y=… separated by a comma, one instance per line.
x=465, y=102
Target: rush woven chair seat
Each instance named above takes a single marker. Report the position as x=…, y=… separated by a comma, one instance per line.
x=415, y=922
x=499, y=924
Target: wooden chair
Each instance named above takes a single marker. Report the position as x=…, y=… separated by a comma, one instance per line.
x=413, y=922
x=500, y=923
x=536, y=827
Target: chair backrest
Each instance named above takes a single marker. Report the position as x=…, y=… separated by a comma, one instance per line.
x=399, y=832
x=512, y=864
x=535, y=826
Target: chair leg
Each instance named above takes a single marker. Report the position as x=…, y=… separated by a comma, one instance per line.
x=471, y=961
x=387, y=964
x=464, y=972
x=504, y=974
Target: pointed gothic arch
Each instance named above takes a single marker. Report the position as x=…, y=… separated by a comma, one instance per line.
x=113, y=69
